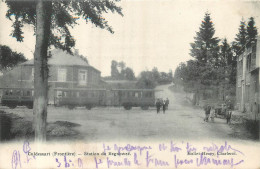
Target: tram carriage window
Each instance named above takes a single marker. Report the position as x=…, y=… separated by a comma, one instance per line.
x=115, y=93
x=82, y=94
x=91, y=94
x=148, y=94
x=64, y=94
x=17, y=92
x=59, y=93
x=69, y=93
x=99, y=93
x=123, y=94
x=6, y=92
x=88, y=94
x=73, y=94
x=28, y=93
x=131, y=94
x=11, y=92
x=136, y=94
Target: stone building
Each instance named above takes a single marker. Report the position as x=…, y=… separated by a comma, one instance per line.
x=247, y=87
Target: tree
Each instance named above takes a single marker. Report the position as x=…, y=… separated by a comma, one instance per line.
x=114, y=70
x=225, y=54
x=156, y=74
x=51, y=20
x=129, y=74
x=251, y=30
x=205, y=46
x=146, y=80
x=9, y=58
x=227, y=68
x=205, y=50
x=125, y=73
x=241, y=36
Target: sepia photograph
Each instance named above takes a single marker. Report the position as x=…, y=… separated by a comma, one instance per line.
x=129, y=84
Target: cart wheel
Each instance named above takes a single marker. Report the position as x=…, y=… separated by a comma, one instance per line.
x=145, y=107
x=12, y=106
x=71, y=107
x=89, y=107
x=128, y=107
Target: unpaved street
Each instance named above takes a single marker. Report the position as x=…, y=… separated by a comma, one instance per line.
x=180, y=122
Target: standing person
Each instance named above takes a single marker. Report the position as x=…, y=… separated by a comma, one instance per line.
x=164, y=106
x=229, y=111
x=207, y=112
x=167, y=103
x=158, y=105
x=224, y=110
x=212, y=114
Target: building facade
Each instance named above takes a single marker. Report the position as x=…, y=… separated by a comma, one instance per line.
x=65, y=71
x=247, y=87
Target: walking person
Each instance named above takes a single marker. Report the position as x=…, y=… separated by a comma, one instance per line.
x=167, y=103
x=158, y=105
x=229, y=111
x=212, y=114
x=207, y=113
x=164, y=106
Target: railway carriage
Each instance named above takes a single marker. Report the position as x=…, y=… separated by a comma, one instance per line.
x=13, y=97
x=79, y=97
x=88, y=98
x=129, y=98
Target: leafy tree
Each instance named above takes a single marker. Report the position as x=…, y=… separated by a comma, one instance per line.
x=251, y=30
x=241, y=36
x=125, y=73
x=121, y=65
x=156, y=74
x=205, y=46
x=51, y=20
x=9, y=58
x=129, y=74
x=170, y=75
x=146, y=80
x=114, y=70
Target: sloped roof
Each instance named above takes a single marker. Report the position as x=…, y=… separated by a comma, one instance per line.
x=60, y=57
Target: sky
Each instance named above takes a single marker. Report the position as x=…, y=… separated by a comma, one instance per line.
x=152, y=33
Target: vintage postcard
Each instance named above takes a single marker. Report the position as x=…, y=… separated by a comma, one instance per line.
x=105, y=84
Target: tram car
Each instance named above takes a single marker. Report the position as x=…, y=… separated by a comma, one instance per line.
x=79, y=97
x=13, y=97
x=90, y=98
x=129, y=98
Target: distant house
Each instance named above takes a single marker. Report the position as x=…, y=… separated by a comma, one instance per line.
x=65, y=71
x=247, y=87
